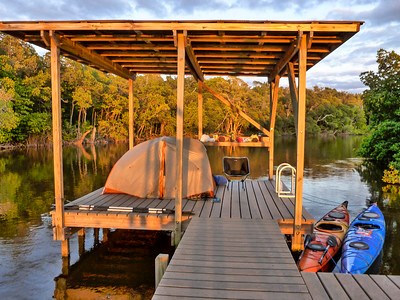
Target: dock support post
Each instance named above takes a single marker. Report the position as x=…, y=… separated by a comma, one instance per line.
x=131, y=120
x=96, y=236
x=106, y=231
x=200, y=108
x=81, y=241
x=179, y=137
x=161, y=264
x=58, y=230
x=65, y=248
x=274, y=89
x=301, y=120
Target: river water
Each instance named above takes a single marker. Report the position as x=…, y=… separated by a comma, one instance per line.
x=30, y=261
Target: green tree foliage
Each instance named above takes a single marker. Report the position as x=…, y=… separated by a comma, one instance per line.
x=93, y=100
x=381, y=104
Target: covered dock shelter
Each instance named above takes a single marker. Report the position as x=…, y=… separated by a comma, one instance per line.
x=267, y=49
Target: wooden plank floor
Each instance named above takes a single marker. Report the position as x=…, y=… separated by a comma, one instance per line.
x=256, y=200
x=346, y=286
x=232, y=259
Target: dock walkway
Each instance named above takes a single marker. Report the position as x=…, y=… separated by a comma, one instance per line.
x=249, y=259
x=232, y=259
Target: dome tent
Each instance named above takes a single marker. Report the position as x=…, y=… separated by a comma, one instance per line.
x=148, y=170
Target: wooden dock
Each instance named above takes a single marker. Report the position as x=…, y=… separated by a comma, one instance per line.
x=249, y=259
x=257, y=200
x=222, y=258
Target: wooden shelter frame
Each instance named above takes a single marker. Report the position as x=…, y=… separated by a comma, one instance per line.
x=271, y=49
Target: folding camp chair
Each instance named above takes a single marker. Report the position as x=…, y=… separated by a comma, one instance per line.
x=236, y=168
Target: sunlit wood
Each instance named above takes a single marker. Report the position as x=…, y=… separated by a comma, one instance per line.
x=59, y=233
x=301, y=127
x=179, y=136
x=274, y=90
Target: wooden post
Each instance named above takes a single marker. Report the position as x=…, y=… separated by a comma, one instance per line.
x=161, y=264
x=81, y=241
x=58, y=230
x=200, y=108
x=130, y=82
x=301, y=121
x=106, y=231
x=96, y=236
x=179, y=137
x=274, y=90
x=65, y=248
x=294, y=95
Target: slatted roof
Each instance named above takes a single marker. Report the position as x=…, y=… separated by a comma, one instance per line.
x=215, y=48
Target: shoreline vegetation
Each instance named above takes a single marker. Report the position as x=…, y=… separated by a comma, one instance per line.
x=94, y=105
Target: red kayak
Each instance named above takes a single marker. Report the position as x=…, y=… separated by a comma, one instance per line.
x=326, y=241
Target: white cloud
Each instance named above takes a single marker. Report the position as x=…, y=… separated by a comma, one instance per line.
x=341, y=69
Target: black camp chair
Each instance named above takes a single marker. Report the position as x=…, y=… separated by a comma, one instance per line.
x=236, y=168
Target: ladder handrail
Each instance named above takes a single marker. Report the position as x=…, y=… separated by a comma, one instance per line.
x=278, y=188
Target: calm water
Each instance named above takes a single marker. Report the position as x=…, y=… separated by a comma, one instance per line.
x=30, y=262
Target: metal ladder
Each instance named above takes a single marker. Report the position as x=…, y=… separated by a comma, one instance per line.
x=291, y=193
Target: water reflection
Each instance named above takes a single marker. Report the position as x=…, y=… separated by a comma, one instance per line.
x=29, y=257
x=122, y=267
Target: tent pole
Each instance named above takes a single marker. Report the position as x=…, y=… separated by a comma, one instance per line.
x=179, y=137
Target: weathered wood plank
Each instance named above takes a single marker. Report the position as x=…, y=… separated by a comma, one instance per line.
x=351, y=287
x=234, y=286
x=236, y=278
x=395, y=279
x=252, y=201
x=283, y=210
x=244, y=202
x=176, y=292
x=226, y=203
x=332, y=286
x=216, y=206
x=270, y=207
x=210, y=252
x=232, y=271
x=370, y=287
x=387, y=286
x=235, y=201
x=314, y=285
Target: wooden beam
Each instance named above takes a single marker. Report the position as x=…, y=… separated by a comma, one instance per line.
x=290, y=52
x=200, y=109
x=274, y=91
x=87, y=55
x=131, y=120
x=297, y=237
x=306, y=26
x=58, y=230
x=236, y=109
x=193, y=63
x=179, y=136
x=293, y=92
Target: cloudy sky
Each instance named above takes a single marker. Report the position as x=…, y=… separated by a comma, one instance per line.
x=339, y=70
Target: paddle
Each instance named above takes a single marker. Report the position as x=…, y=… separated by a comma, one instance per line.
x=307, y=239
x=332, y=242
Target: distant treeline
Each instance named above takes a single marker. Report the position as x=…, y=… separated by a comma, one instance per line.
x=94, y=100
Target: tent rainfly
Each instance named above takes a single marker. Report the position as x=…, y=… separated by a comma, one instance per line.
x=148, y=170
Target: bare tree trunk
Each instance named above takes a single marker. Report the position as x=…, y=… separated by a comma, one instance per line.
x=82, y=138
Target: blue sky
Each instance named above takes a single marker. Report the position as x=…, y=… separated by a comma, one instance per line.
x=339, y=70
